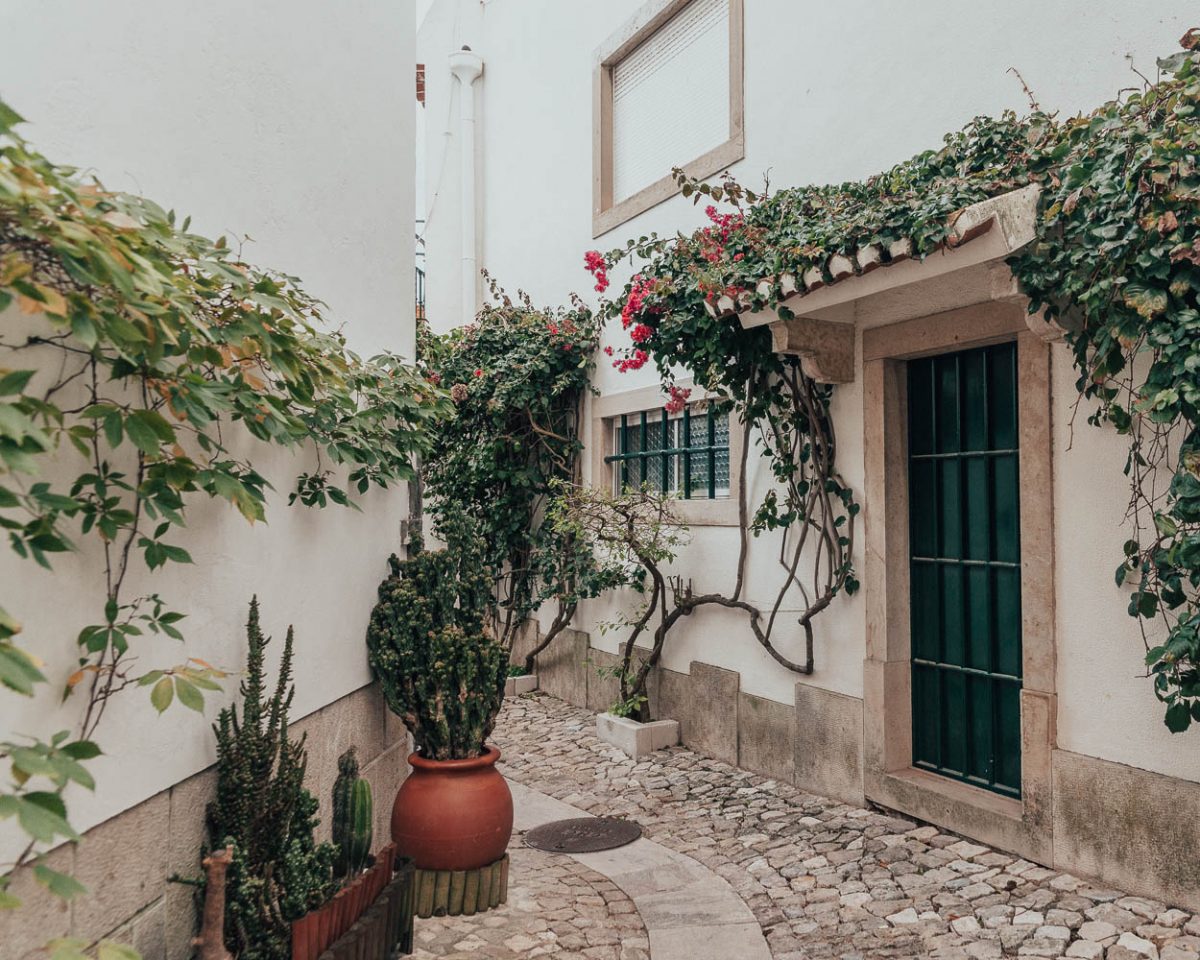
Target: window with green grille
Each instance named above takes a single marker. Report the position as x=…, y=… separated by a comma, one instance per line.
x=684, y=454
x=965, y=566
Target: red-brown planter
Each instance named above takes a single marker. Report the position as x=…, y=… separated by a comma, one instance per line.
x=453, y=814
x=314, y=932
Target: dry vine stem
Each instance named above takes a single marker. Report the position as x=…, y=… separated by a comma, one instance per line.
x=816, y=522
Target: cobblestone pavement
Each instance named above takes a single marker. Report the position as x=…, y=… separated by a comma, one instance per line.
x=823, y=879
x=556, y=908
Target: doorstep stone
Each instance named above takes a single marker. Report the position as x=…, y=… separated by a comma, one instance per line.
x=636, y=739
x=515, y=686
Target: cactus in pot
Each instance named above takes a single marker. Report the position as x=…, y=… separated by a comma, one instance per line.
x=353, y=813
x=438, y=668
x=443, y=675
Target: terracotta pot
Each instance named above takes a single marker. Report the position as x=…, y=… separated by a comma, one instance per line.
x=453, y=814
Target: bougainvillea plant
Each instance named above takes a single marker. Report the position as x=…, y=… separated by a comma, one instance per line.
x=668, y=310
x=1116, y=260
x=517, y=377
x=135, y=358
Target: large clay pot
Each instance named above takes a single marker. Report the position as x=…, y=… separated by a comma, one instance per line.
x=453, y=814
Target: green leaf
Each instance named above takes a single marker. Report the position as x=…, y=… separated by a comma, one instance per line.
x=43, y=816
x=9, y=117
x=1178, y=717
x=61, y=885
x=81, y=750
x=189, y=695
x=14, y=381
x=162, y=694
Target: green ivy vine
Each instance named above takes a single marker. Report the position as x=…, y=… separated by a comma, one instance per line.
x=135, y=357
x=1116, y=259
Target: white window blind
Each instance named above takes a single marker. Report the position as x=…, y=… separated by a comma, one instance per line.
x=671, y=97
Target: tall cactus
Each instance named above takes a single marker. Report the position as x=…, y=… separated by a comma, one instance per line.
x=438, y=669
x=353, y=813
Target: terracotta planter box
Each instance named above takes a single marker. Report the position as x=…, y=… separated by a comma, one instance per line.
x=319, y=930
x=515, y=686
x=636, y=739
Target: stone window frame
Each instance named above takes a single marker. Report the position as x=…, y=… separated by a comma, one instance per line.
x=1023, y=826
x=721, y=512
x=607, y=214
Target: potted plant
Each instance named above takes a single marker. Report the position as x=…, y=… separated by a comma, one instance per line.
x=361, y=876
x=443, y=675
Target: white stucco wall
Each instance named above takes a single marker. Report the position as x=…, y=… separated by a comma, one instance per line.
x=290, y=122
x=832, y=92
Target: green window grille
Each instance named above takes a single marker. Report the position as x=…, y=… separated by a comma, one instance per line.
x=965, y=566
x=685, y=454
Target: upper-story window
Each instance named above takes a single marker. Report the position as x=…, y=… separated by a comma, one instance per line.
x=684, y=455
x=668, y=94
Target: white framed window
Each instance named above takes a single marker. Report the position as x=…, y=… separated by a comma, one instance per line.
x=668, y=93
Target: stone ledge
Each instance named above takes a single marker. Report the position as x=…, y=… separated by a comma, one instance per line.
x=636, y=739
x=516, y=686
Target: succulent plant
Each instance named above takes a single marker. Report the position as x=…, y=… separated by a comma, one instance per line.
x=353, y=812
x=278, y=872
x=438, y=669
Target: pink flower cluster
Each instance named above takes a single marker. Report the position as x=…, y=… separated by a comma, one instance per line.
x=677, y=398
x=713, y=239
x=594, y=261
x=635, y=361
x=638, y=288
x=640, y=333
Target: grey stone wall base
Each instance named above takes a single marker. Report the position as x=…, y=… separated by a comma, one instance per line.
x=816, y=744
x=1130, y=827
x=125, y=861
x=829, y=744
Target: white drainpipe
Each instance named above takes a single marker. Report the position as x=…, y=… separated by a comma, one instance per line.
x=467, y=67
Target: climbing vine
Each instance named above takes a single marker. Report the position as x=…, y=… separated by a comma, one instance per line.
x=138, y=361
x=517, y=378
x=1116, y=261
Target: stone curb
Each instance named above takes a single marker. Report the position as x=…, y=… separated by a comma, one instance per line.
x=690, y=912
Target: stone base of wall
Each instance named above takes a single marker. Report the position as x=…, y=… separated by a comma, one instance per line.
x=1135, y=829
x=1117, y=825
x=125, y=861
x=815, y=744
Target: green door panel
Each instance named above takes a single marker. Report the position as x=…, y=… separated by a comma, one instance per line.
x=964, y=539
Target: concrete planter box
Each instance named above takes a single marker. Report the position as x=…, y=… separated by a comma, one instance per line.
x=515, y=686
x=636, y=739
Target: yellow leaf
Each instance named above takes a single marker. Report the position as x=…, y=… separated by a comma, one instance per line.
x=55, y=302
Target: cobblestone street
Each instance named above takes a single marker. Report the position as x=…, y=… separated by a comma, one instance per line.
x=822, y=879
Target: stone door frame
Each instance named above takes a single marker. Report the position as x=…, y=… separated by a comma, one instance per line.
x=1024, y=826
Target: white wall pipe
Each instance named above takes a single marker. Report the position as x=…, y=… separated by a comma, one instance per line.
x=467, y=67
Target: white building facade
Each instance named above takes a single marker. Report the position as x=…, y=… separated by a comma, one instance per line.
x=289, y=127
x=570, y=155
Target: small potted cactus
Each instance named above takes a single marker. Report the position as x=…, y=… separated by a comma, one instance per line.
x=362, y=877
x=443, y=675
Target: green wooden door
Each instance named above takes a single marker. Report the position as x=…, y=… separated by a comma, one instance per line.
x=964, y=515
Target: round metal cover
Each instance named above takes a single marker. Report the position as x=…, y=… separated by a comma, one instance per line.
x=583, y=835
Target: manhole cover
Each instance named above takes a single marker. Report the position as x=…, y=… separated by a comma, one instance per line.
x=583, y=835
